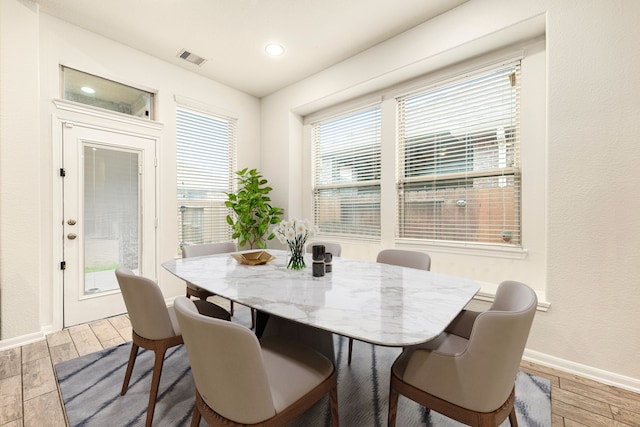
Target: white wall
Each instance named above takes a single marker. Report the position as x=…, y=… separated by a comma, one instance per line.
x=590, y=229
x=21, y=195
x=33, y=47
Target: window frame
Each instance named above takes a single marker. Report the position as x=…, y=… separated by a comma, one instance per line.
x=532, y=55
x=461, y=175
x=222, y=231
x=367, y=187
x=109, y=95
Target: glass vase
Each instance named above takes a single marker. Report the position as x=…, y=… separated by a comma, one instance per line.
x=296, y=256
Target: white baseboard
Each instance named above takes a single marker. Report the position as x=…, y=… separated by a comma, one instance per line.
x=21, y=340
x=605, y=377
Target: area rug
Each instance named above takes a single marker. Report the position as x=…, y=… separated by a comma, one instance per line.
x=90, y=388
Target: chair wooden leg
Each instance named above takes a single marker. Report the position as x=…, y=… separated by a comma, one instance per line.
x=195, y=419
x=393, y=407
x=350, y=351
x=333, y=403
x=155, y=384
x=231, y=308
x=132, y=361
x=512, y=417
x=253, y=319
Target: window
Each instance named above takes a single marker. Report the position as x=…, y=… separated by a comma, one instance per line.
x=106, y=94
x=346, y=168
x=459, y=160
x=205, y=156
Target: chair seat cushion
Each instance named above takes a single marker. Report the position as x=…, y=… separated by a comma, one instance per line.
x=210, y=309
x=445, y=343
x=293, y=369
x=174, y=321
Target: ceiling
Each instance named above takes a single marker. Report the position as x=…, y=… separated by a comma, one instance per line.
x=231, y=34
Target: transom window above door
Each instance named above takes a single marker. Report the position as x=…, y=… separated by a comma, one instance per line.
x=103, y=93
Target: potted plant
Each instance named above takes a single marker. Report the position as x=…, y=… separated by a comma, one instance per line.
x=252, y=210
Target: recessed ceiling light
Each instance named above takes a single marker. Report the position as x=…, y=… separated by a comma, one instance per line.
x=274, y=49
x=87, y=89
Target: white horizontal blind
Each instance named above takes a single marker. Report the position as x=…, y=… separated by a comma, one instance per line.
x=459, y=160
x=346, y=170
x=205, y=156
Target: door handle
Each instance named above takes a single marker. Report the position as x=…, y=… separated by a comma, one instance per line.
x=71, y=236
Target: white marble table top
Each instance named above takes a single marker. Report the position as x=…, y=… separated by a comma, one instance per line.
x=377, y=303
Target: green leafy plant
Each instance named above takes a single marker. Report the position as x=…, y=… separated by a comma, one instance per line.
x=252, y=210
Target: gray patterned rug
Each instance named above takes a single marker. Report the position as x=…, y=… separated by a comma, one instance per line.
x=90, y=388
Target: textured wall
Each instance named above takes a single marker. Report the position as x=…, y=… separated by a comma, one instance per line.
x=33, y=45
x=590, y=223
x=20, y=170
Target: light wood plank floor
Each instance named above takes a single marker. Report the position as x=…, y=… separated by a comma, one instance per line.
x=29, y=395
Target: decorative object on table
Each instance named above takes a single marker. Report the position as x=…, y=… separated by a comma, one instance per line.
x=294, y=233
x=253, y=258
x=252, y=210
x=328, y=258
x=318, y=260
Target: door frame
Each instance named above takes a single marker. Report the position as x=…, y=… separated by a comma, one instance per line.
x=91, y=117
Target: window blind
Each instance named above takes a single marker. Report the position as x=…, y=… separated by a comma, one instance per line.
x=346, y=170
x=459, y=160
x=205, y=157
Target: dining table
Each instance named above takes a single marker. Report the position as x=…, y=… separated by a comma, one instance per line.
x=377, y=303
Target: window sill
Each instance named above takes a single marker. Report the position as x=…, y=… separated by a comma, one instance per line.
x=492, y=251
x=76, y=107
x=487, y=293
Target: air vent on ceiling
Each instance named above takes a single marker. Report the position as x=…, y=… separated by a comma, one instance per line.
x=191, y=57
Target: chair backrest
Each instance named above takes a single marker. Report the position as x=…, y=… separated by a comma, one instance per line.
x=497, y=342
x=145, y=304
x=208, y=249
x=334, y=248
x=227, y=365
x=405, y=258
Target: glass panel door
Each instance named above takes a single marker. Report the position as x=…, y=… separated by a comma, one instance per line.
x=109, y=205
x=111, y=215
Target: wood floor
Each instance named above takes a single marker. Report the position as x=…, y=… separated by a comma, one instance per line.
x=29, y=393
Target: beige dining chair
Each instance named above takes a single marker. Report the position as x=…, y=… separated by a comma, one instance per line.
x=211, y=249
x=334, y=248
x=403, y=258
x=243, y=381
x=468, y=372
x=203, y=249
x=154, y=326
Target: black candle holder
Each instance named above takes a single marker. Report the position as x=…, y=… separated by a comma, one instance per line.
x=318, y=256
x=328, y=258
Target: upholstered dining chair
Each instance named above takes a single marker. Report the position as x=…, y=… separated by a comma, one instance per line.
x=403, y=258
x=468, y=373
x=210, y=249
x=243, y=381
x=202, y=250
x=334, y=248
x=154, y=325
